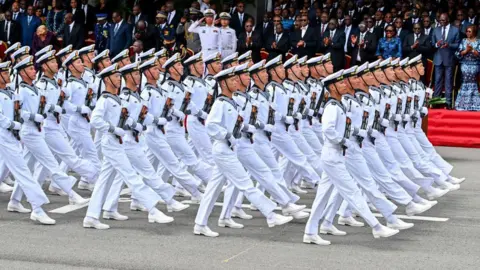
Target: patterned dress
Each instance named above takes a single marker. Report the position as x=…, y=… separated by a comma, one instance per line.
x=468, y=98
x=389, y=48
x=56, y=21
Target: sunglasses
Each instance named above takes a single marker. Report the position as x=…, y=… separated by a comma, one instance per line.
x=389, y=31
x=416, y=28
x=276, y=20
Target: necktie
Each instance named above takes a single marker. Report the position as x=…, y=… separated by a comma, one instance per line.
x=8, y=31
x=277, y=39
x=169, y=15
x=116, y=29
x=331, y=34
x=378, y=23
x=15, y=16
x=29, y=19
x=241, y=19
x=443, y=33
x=323, y=29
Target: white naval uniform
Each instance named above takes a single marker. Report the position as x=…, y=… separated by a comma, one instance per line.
x=175, y=133
x=137, y=157
x=228, y=41
x=309, y=126
x=335, y=173
x=209, y=37
x=35, y=147
x=220, y=125
x=157, y=142
x=11, y=153
x=105, y=118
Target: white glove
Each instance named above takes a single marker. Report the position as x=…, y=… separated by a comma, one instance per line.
x=15, y=125
x=406, y=118
x=385, y=122
x=119, y=132
x=193, y=109
x=160, y=121
x=298, y=116
x=362, y=133
x=202, y=114
x=148, y=119
x=85, y=110
x=349, y=114
x=309, y=112
x=55, y=108
x=138, y=127
x=180, y=115
x=347, y=143
x=129, y=122
x=288, y=120
x=38, y=118
x=321, y=111
x=424, y=110
x=274, y=106
x=269, y=128
x=232, y=141
x=249, y=128
x=398, y=117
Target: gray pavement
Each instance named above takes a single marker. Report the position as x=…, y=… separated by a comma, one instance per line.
x=137, y=244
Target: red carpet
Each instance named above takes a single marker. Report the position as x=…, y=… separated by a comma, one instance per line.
x=452, y=128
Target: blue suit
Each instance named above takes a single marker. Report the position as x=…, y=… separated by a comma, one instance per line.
x=444, y=61
x=29, y=29
x=119, y=40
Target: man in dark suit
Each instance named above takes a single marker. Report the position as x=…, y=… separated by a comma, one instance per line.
x=10, y=30
x=137, y=50
x=472, y=17
x=73, y=33
x=362, y=47
x=349, y=30
x=427, y=27
x=333, y=42
x=265, y=27
x=414, y=18
x=78, y=13
x=120, y=36
x=379, y=23
x=416, y=43
x=278, y=43
x=90, y=16
x=16, y=14
x=136, y=15
x=401, y=31
x=147, y=34
x=239, y=18
x=250, y=40
x=29, y=24
x=173, y=17
x=446, y=39
x=304, y=40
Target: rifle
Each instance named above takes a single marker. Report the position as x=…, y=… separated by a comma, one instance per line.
x=166, y=108
x=320, y=105
x=425, y=103
x=301, y=108
x=385, y=116
x=313, y=100
x=61, y=100
x=253, y=120
x=399, y=109
x=236, y=129
x=17, y=116
x=41, y=111
x=363, y=126
x=88, y=103
x=290, y=110
x=407, y=109
x=346, y=135
x=415, y=108
x=185, y=102
x=122, y=121
x=141, y=119
x=375, y=124
x=206, y=107
x=271, y=121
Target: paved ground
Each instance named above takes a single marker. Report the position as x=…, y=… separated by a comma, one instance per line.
x=136, y=244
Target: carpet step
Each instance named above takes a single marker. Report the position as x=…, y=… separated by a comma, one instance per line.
x=455, y=131
x=455, y=141
x=459, y=122
x=446, y=114
x=452, y=128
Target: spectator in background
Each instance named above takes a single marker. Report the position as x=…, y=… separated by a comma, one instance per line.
x=136, y=15
x=227, y=36
x=303, y=40
x=468, y=53
x=173, y=17
x=78, y=13
x=73, y=33
x=334, y=43
x=137, y=50
x=192, y=39
x=29, y=24
x=278, y=43
x=102, y=29
x=417, y=43
x=10, y=30
x=265, y=27
x=464, y=23
x=390, y=45
x=147, y=34
x=250, y=40
x=43, y=38
x=362, y=47
x=286, y=21
x=239, y=18
x=120, y=35
x=41, y=16
x=399, y=30
x=161, y=26
x=16, y=14
x=103, y=8
x=56, y=18
x=90, y=18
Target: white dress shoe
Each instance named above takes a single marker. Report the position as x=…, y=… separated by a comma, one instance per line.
x=201, y=188
x=253, y=207
x=85, y=186
x=427, y=202
x=436, y=193
x=384, y=232
x=415, y=208
x=17, y=207
x=56, y=191
x=296, y=189
x=42, y=218
x=307, y=185
x=278, y=220
x=315, y=239
x=452, y=187
x=350, y=221
x=134, y=206
x=455, y=180
x=292, y=208
x=372, y=207
x=176, y=206
x=114, y=215
x=239, y=213
x=4, y=188
x=300, y=215
x=159, y=217
x=9, y=181
x=204, y=230
x=75, y=199
x=229, y=223
x=182, y=193
x=400, y=225
x=196, y=200
x=94, y=223
x=331, y=230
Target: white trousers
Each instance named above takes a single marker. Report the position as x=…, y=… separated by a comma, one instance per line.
x=200, y=139
x=430, y=150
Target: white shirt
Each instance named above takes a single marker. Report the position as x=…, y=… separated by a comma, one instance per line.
x=348, y=29
x=240, y=17
x=472, y=20
x=304, y=30
x=249, y=34
x=85, y=9
x=137, y=17
x=71, y=26
x=73, y=11
x=415, y=37
x=447, y=28
x=8, y=24
x=15, y=14
x=117, y=26
x=399, y=30
x=171, y=15
x=323, y=27
x=332, y=33
x=278, y=37
x=427, y=31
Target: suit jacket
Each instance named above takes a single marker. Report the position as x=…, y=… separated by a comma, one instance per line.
x=19, y=17
x=424, y=46
x=446, y=56
x=79, y=16
x=235, y=22
x=76, y=37
x=255, y=46
x=120, y=40
x=264, y=32
x=15, y=32
x=148, y=37
x=91, y=18
x=175, y=20
x=29, y=29
x=367, y=54
x=131, y=18
x=335, y=48
x=283, y=45
x=408, y=24
x=403, y=34
x=310, y=40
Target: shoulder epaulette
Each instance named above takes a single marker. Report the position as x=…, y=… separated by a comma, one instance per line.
x=80, y=81
x=229, y=100
x=177, y=84
x=31, y=87
x=335, y=102
x=114, y=97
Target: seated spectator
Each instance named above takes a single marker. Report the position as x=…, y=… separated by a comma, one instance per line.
x=147, y=34
x=29, y=24
x=43, y=38
x=286, y=21
x=103, y=8
x=277, y=43
x=250, y=40
x=390, y=45
x=56, y=18
x=78, y=13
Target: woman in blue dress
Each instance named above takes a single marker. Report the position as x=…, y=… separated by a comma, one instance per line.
x=56, y=18
x=468, y=53
x=390, y=45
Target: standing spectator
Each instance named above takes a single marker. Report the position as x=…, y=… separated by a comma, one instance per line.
x=472, y=17
x=446, y=39
x=227, y=37
x=104, y=8
x=147, y=34
x=193, y=39
x=399, y=30
x=29, y=24
x=266, y=27
x=464, y=23
x=286, y=21
x=137, y=15
x=10, y=30
x=417, y=43
x=303, y=40
x=73, y=33
x=334, y=43
x=90, y=18
x=101, y=33
x=17, y=15
x=137, y=50
x=173, y=18
x=43, y=38
x=468, y=98
x=120, y=36
x=409, y=22
x=162, y=27
x=323, y=26
x=78, y=13
x=349, y=30
x=362, y=47
x=278, y=43
x=209, y=34
x=239, y=18
x=390, y=45
x=427, y=27
x=250, y=40
x=41, y=16
x=56, y=19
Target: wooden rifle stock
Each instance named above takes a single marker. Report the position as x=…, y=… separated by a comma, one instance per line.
x=399, y=109
x=313, y=100
x=17, y=118
x=166, y=108
x=347, y=133
x=88, y=103
x=61, y=100
x=407, y=109
x=253, y=120
x=141, y=119
x=301, y=109
x=236, y=129
x=291, y=101
x=121, y=122
x=271, y=121
x=41, y=111
x=206, y=107
x=184, y=106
